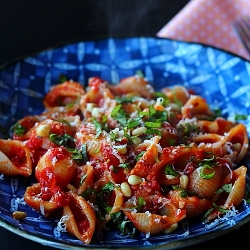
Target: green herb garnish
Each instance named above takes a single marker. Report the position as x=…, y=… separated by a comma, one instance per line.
x=204, y=175
x=169, y=170
x=62, y=140
x=18, y=129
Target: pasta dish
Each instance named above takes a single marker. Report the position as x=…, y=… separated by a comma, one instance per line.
x=128, y=157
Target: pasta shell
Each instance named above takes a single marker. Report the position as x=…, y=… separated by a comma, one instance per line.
x=207, y=138
x=179, y=156
x=238, y=190
x=212, y=143
x=93, y=97
x=63, y=94
x=60, y=112
x=196, y=106
x=133, y=84
x=79, y=218
x=203, y=187
x=26, y=123
x=149, y=223
x=87, y=136
x=15, y=158
x=59, y=163
x=236, y=194
x=193, y=205
x=205, y=126
x=177, y=93
x=146, y=162
x=169, y=135
x=116, y=199
x=32, y=197
x=224, y=125
x=97, y=90
x=238, y=136
x=153, y=223
x=87, y=172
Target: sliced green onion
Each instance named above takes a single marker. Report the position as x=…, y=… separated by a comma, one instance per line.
x=115, y=111
x=124, y=99
x=64, y=121
x=153, y=124
x=141, y=203
x=225, y=188
x=98, y=127
x=153, y=132
x=138, y=157
x=83, y=178
x=132, y=123
x=206, y=176
x=220, y=208
x=124, y=165
x=166, y=101
x=209, y=159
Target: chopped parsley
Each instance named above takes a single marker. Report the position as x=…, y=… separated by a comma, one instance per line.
x=169, y=170
x=238, y=117
x=18, y=129
x=61, y=140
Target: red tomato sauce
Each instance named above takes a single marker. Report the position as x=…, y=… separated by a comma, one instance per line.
x=80, y=218
x=59, y=154
x=95, y=83
x=118, y=174
x=146, y=188
x=109, y=156
x=17, y=156
x=109, y=198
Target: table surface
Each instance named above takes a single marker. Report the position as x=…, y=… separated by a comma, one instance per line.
x=27, y=27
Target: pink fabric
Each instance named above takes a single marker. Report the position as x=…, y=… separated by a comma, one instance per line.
x=208, y=22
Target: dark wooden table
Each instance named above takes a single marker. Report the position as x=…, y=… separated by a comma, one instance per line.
x=27, y=27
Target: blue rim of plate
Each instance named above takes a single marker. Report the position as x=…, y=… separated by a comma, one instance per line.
x=164, y=62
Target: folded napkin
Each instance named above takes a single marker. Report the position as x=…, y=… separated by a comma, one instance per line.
x=209, y=22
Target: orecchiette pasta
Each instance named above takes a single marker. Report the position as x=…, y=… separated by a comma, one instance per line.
x=128, y=157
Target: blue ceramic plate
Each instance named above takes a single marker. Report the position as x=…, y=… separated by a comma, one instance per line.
x=219, y=77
